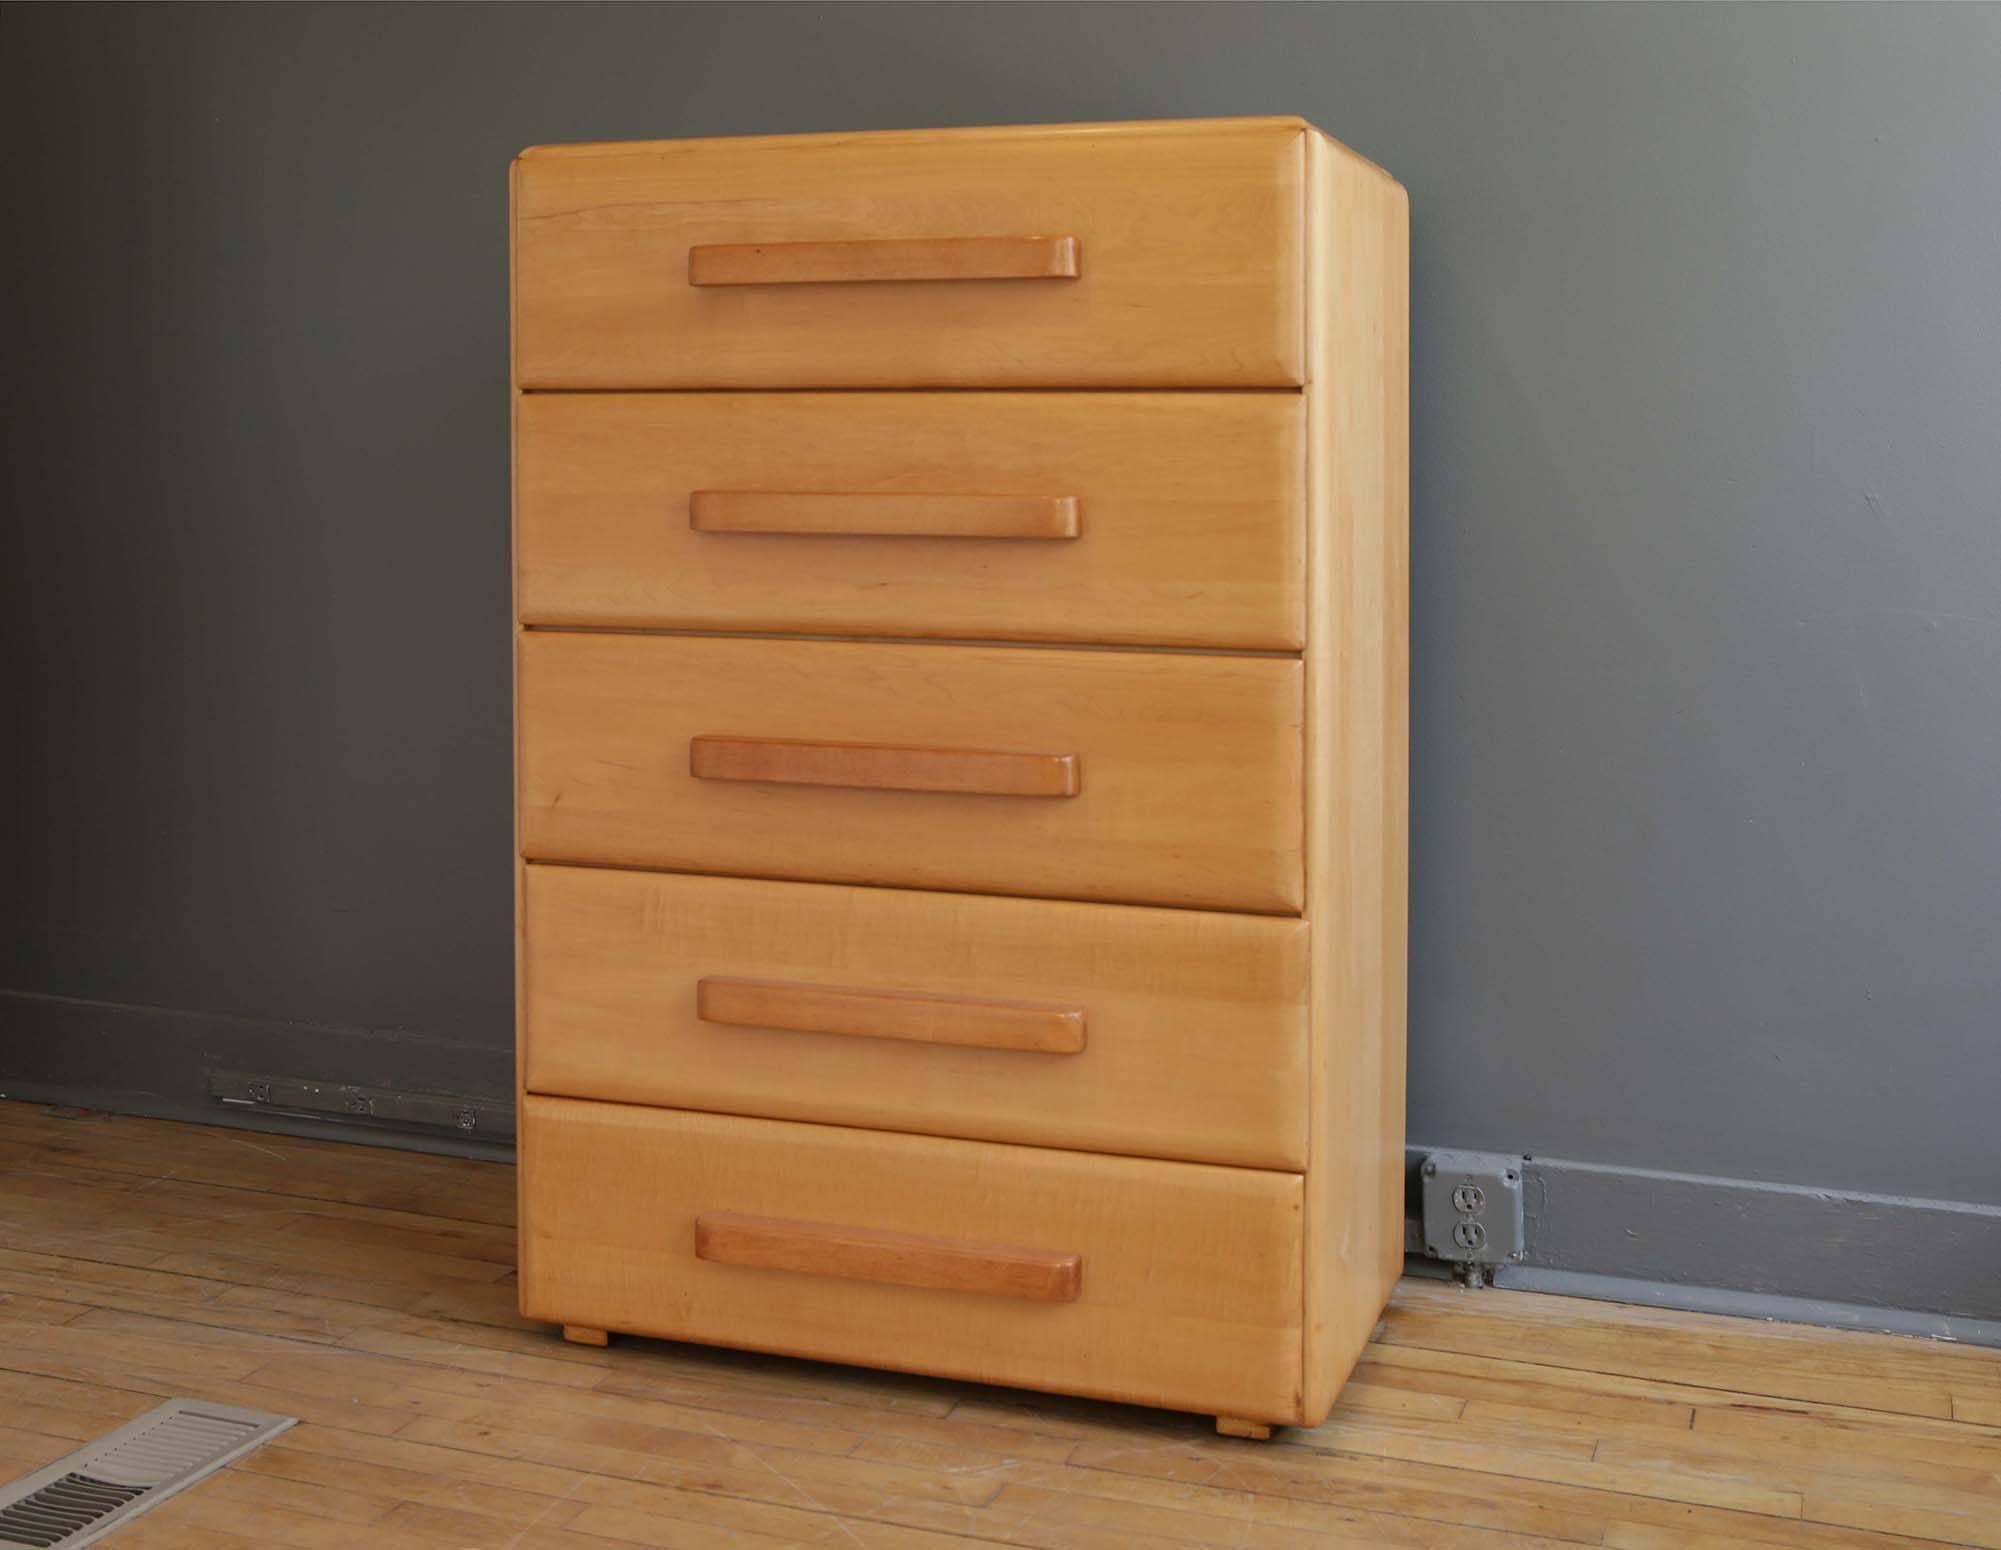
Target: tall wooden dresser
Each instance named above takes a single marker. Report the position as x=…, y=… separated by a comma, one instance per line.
x=961, y=684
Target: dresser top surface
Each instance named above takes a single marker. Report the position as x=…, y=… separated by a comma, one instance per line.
x=1278, y=124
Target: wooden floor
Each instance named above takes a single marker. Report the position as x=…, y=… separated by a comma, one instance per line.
x=371, y=1293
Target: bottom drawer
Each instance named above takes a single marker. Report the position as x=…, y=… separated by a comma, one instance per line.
x=1158, y=1283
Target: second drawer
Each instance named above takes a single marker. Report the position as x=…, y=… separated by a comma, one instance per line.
x=1160, y=1033
x=1151, y=779
x=1143, y=518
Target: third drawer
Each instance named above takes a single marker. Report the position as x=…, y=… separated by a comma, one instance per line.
x=1118, y=775
x=1161, y=1033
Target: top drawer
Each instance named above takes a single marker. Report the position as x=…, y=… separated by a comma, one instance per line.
x=849, y=261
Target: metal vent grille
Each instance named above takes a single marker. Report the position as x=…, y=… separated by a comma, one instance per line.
x=63, y=1508
x=86, y=1494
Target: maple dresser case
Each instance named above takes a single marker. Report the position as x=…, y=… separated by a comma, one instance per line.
x=961, y=685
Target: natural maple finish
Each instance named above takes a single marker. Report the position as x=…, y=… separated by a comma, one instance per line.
x=899, y=514
x=877, y=767
x=1262, y=773
x=888, y=1258
x=913, y=1016
x=1358, y=720
x=904, y=258
x=1190, y=236
x=1190, y=765
x=578, y=1334
x=1189, y=514
x=368, y=1292
x=1196, y=1022
x=1190, y=1297
x=1233, y=1426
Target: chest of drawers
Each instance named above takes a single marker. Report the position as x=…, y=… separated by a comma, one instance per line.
x=961, y=752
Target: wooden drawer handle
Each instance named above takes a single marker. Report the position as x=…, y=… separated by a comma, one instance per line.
x=875, y=766
x=831, y=514
x=850, y=263
x=891, y=1014
x=900, y=1259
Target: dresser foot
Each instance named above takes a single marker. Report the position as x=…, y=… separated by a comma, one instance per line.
x=583, y=1334
x=1231, y=1426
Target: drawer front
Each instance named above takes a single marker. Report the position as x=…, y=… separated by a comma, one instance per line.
x=1151, y=518
x=1094, y=255
x=1153, y=779
x=1158, y=1033
x=1170, y=1284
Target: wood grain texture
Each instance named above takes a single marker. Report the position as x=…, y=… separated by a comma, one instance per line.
x=936, y=1264
x=1192, y=234
x=828, y=513
x=1197, y=1022
x=864, y=261
x=1191, y=790
x=578, y=1334
x=434, y=1420
x=1192, y=1295
x=879, y=767
x=913, y=1016
x=869, y=763
x=1357, y=812
x=1190, y=524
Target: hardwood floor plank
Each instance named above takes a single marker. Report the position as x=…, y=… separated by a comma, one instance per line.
x=24, y=1308
x=857, y=1419
x=23, y=1451
x=721, y=1464
x=1979, y=1410
x=1554, y=1509
x=87, y=1283
x=482, y=1302
x=482, y=1398
x=112, y=1374
x=1378, y=1485
x=1246, y=1519
x=1595, y=1385
x=214, y=1505
x=60, y=1350
x=641, y=1506
x=1756, y=1456
x=64, y=1408
x=1708, y=1362
x=458, y=1468
x=302, y=1466
x=1845, y=1441
x=160, y=1531
x=1765, y=1345
x=1957, y=1515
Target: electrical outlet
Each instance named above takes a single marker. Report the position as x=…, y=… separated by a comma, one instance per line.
x=1472, y=1207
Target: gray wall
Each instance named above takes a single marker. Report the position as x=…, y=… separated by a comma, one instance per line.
x=1707, y=532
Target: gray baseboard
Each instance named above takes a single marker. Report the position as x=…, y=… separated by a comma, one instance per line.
x=1761, y=1250
x=1754, y=1305
x=155, y=1061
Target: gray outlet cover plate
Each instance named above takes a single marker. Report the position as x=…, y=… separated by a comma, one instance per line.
x=1472, y=1207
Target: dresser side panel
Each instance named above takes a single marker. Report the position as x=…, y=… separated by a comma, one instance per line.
x=516, y=865
x=1357, y=753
